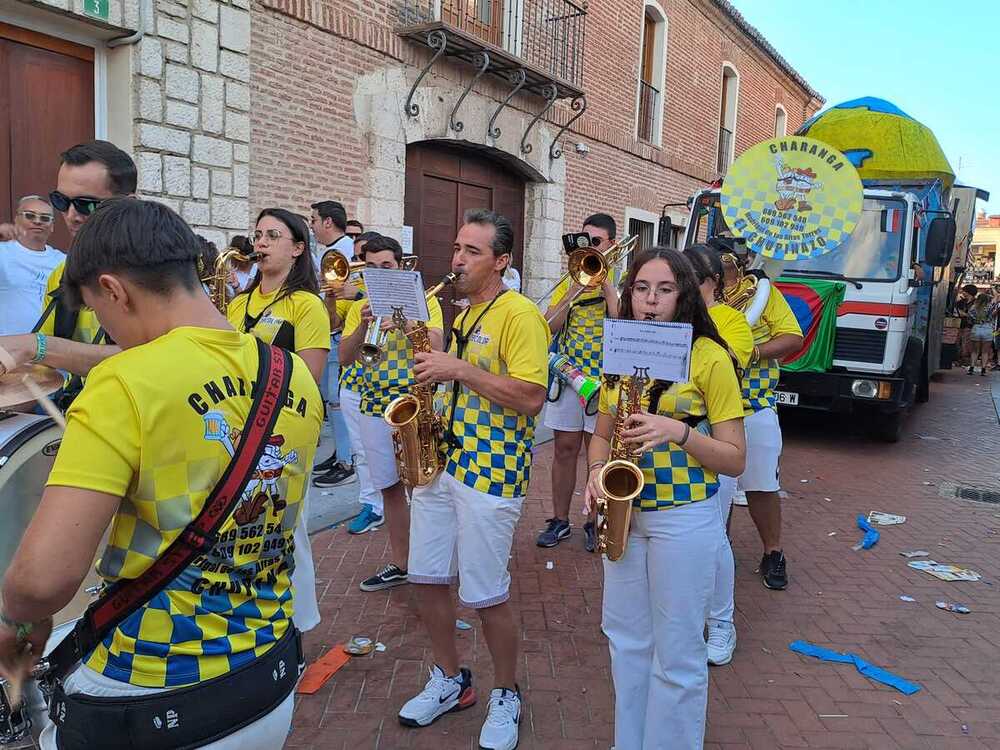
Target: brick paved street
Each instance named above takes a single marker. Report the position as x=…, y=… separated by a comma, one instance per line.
x=767, y=697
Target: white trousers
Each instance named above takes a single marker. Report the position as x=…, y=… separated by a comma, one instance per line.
x=306, y=613
x=722, y=604
x=350, y=407
x=655, y=603
x=268, y=732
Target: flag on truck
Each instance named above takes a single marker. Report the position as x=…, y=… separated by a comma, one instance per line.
x=815, y=306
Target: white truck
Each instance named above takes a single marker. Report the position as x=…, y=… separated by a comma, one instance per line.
x=899, y=276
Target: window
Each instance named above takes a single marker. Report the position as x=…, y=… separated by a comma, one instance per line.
x=780, y=121
x=727, y=117
x=652, y=75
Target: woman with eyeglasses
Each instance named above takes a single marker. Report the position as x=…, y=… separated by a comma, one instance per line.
x=281, y=306
x=656, y=595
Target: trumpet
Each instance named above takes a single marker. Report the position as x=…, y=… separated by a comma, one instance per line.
x=589, y=268
x=218, y=282
x=335, y=268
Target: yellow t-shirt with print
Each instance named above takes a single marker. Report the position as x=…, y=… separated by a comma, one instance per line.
x=492, y=449
x=343, y=306
x=293, y=322
x=583, y=332
x=87, y=324
x=760, y=378
x=156, y=425
x=393, y=375
x=735, y=331
x=673, y=476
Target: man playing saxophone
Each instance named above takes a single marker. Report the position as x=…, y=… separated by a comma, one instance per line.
x=382, y=382
x=656, y=594
x=462, y=523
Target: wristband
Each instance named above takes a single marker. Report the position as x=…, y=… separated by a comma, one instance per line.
x=21, y=629
x=596, y=465
x=41, y=347
x=687, y=434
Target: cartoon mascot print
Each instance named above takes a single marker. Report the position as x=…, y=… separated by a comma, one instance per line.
x=263, y=484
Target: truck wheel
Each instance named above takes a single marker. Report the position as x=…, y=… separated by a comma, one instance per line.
x=888, y=426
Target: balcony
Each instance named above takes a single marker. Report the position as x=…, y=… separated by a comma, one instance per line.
x=725, y=150
x=649, y=104
x=544, y=38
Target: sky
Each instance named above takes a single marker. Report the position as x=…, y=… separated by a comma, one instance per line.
x=938, y=62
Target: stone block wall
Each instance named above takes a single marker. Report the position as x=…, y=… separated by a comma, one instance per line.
x=188, y=87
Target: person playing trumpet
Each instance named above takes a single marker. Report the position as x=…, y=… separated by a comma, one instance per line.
x=579, y=329
x=391, y=376
x=656, y=594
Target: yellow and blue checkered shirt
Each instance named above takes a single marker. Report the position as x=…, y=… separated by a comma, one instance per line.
x=393, y=375
x=583, y=332
x=673, y=476
x=156, y=426
x=760, y=377
x=493, y=450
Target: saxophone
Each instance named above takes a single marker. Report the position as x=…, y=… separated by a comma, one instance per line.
x=621, y=478
x=416, y=426
x=218, y=282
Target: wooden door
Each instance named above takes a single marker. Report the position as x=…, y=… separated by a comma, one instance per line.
x=46, y=106
x=484, y=18
x=442, y=183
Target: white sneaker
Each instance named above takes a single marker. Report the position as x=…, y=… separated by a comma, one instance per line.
x=440, y=695
x=721, y=642
x=500, y=728
x=740, y=498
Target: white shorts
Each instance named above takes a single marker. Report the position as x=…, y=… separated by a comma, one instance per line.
x=763, y=435
x=567, y=414
x=376, y=437
x=456, y=531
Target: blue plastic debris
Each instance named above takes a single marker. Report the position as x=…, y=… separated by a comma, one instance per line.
x=871, y=534
x=868, y=669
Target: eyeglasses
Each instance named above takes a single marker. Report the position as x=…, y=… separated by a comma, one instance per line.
x=83, y=204
x=641, y=289
x=271, y=234
x=34, y=216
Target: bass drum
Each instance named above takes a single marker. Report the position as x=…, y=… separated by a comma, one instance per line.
x=28, y=447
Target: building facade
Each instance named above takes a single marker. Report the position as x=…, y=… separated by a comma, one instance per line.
x=408, y=111
x=984, y=255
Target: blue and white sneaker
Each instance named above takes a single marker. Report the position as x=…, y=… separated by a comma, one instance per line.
x=366, y=520
x=440, y=695
x=501, y=726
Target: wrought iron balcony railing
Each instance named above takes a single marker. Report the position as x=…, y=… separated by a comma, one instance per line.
x=649, y=102
x=725, y=150
x=546, y=35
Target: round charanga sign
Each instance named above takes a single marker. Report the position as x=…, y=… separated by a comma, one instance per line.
x=791, y=198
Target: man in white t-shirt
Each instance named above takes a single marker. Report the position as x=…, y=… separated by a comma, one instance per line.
x=25, y=265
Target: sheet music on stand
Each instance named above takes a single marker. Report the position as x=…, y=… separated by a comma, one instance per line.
x=662, y=349
x=390, y=289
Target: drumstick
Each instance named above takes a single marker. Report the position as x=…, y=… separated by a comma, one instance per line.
x=6, y=361
x=44, y=401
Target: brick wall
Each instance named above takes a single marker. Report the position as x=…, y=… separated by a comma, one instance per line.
x=187, y=85
x=309, y=140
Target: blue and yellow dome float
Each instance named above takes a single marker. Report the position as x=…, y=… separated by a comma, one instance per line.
x=882, y=141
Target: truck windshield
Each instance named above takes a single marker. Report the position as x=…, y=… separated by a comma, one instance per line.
x=872, y=253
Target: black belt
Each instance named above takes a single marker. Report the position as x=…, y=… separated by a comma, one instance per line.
x=189, y=717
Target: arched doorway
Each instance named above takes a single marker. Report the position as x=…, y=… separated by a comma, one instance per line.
x=443, y=181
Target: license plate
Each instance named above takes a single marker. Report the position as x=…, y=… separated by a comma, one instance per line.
x=786, y=398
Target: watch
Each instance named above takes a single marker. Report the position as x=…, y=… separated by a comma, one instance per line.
x=21, y=629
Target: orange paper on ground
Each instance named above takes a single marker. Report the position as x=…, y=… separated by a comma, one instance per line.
x=321, y=670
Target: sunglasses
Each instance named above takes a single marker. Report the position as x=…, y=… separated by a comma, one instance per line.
x=33, y=216
x=271, y=234
x=84, y=205
x=353, y=235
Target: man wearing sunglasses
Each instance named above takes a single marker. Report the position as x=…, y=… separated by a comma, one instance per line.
x=90, y=173
x=25, y=265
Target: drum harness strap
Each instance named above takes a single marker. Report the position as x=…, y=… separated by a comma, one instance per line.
x=190, y=716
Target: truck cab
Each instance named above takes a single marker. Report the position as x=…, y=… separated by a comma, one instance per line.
x=895, y=267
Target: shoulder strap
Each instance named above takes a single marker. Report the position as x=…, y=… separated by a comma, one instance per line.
x=274, y=371
x=53, y=301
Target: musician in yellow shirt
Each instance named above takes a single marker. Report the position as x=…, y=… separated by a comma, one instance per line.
x=656, y=594
x=382, y=382
x=578, y=325
x=146, y=442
